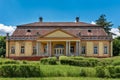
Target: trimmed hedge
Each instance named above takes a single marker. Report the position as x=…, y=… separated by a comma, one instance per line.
x=50, y=60
x=79, y=61
x=23, y=70
x=116, y=63
x=7, y=61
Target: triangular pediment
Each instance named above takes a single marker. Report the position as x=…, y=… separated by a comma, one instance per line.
x=59, y=34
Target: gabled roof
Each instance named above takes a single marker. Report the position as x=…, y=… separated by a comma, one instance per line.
x=58, y=24
x=63, y=31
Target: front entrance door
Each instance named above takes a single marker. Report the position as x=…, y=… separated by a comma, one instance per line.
x=59, y=50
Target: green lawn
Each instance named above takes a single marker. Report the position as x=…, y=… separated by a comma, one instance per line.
x=58, y=78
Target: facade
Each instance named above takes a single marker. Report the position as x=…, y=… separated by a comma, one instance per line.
x=42, y=39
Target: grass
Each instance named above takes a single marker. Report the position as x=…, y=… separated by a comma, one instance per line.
x=64, y=70
x=59, y=72
x=58, y=78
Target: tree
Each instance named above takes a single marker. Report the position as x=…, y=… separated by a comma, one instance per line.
x=102, y=21
x=119, y=28
x=116, y=46
x=2, y=46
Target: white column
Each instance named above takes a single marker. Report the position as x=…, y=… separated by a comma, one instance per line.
x=50, y=48
x=47, y=48
x=69, y=49
x=66, y=48
x=77, y=48
x=38, y=48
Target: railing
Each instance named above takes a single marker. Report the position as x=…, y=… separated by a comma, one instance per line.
x=96, y=37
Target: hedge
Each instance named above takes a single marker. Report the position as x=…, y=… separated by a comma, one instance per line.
x=50, y=60
x=9, y=61
x=23, y=70
x=78, y=61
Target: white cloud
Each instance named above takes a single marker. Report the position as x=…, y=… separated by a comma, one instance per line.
x=93, y=22
x=115, y=31
x=6, y=29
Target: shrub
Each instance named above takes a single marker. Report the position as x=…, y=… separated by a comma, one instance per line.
x=77, y=58
x=114, y=71
x=44, y=60
x=116, y=62
x=24, y=62
x=64, y=59
x=10, y=62
x=83, y=73
x=78, y=61
x=104, y=62
x=23, y=70
x=93, y=62
x=50, y=60
x=100, y=71
x=117, y=71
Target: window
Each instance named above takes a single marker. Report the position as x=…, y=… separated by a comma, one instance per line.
x=45, y=49
x=34, y=50
x=83, y=49
x=22, y=49
x=28, y=30
x=89, y=30
x=95, y=50
x=105, y=50
x=13, y=49
x=72, y=49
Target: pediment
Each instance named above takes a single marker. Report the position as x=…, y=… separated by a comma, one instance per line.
x=58, y=34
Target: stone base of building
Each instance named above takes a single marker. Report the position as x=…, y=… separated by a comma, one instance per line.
x=37, y=58
x=29, y=58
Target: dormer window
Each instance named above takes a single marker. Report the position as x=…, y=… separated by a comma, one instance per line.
x=28, y=30
x=79, y=34
x=89, y=30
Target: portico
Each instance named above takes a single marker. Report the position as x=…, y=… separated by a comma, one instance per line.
x=58, y=47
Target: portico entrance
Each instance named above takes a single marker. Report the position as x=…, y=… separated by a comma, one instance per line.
x=59, y=49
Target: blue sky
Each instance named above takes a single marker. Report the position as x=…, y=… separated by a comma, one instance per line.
x=15, y=12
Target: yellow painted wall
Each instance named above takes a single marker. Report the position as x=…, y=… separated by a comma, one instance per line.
x=28, y=48
x=17, y=48
x=6, y=48
x=101, y=46
x=89, y=47
x=58, y=34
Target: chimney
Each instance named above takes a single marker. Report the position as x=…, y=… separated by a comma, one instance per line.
x=7, y=36
x=77, y=19
x=40, y=19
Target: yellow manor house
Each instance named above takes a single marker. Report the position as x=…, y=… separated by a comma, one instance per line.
x=45, y=39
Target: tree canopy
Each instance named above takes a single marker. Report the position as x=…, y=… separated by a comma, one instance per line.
x=119, y=28
x=2, y=46
x=102, y=21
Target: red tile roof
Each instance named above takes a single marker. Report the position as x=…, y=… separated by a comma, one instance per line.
x=43, y=28
x=58, y=24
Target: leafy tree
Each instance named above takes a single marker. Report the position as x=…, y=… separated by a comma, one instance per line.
x=102, y=21
x=2, y=46
x=119, y=28
x=116, y=46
